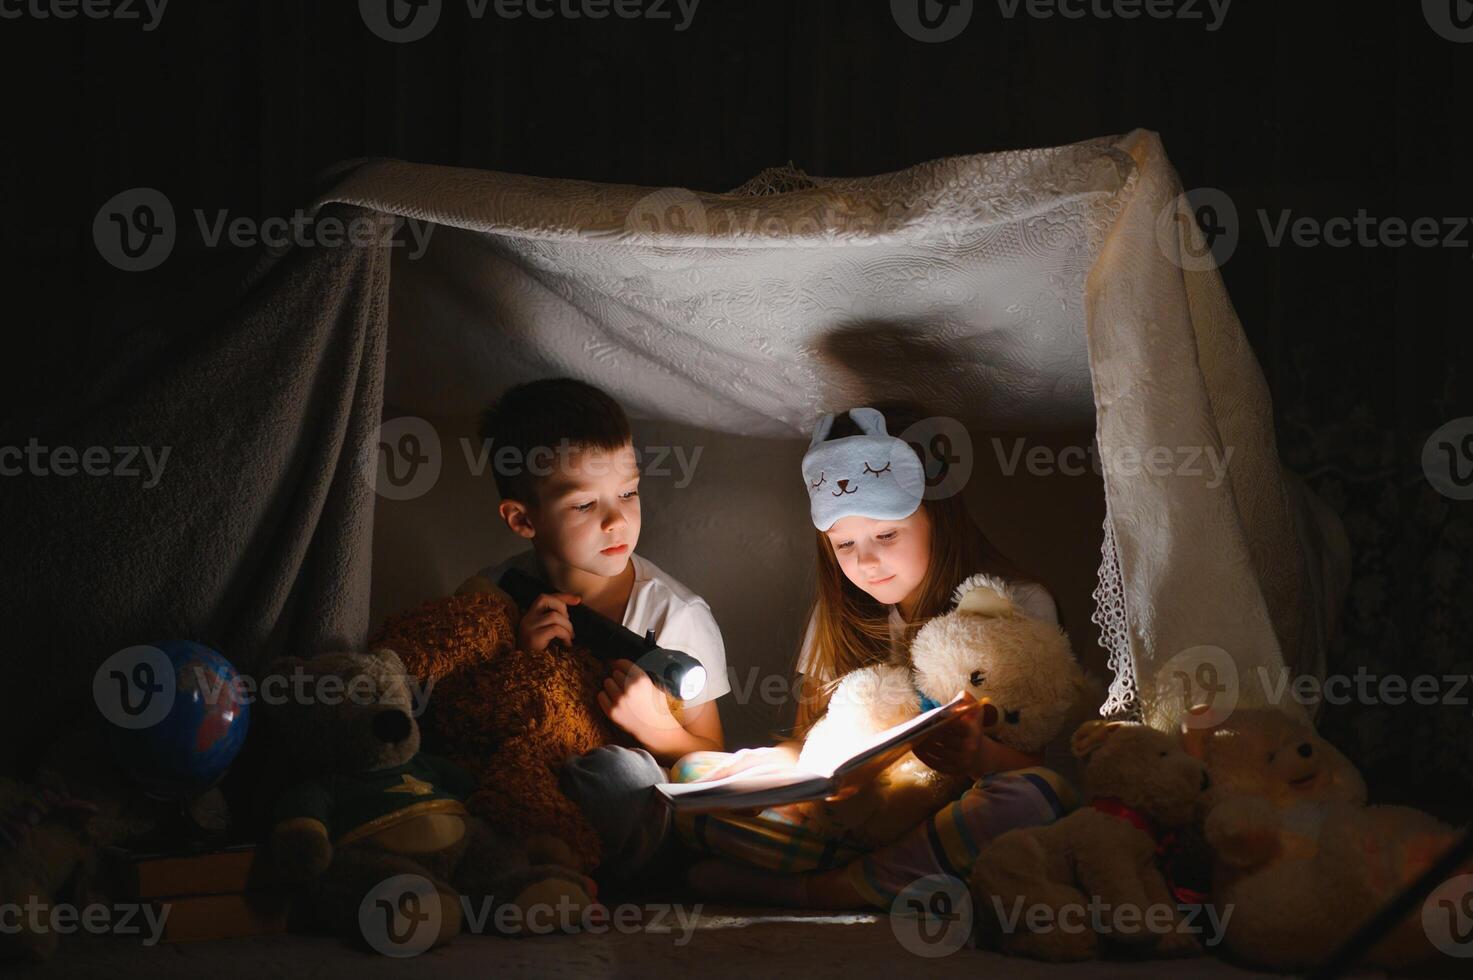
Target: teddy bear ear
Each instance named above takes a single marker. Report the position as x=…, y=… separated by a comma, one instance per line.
x=1091, y=735
x=983, y=601
x=476, y=584
x=389, y=657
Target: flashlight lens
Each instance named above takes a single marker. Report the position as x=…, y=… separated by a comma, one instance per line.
x=693, y=683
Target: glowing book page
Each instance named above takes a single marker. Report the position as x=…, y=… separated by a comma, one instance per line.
x=776, y=785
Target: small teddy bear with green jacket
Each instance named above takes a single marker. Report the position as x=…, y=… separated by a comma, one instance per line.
x=370, y=814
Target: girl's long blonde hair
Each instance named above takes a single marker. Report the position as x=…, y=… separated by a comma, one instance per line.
x=852, y=629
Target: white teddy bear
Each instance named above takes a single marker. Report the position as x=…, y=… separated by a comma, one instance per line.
x=1021, y=668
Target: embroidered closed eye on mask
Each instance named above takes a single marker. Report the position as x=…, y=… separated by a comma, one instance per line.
x=872, y=474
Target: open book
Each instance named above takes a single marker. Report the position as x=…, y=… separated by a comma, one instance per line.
x=764, y=786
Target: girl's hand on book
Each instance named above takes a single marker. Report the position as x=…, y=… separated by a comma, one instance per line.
x=957, y=748
x=770, y=757
x=963, y=748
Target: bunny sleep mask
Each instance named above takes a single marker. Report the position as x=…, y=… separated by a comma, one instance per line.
x=872, y=474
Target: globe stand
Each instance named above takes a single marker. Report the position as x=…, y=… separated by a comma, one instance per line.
x=186, y=825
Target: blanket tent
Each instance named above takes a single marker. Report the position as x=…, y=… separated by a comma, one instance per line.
x=1041, y=297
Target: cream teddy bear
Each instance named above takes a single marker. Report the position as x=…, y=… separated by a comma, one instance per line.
x=1298, y=855
x=1043, y=891
x=1021, y=668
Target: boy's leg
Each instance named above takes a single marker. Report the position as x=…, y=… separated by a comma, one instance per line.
x=949, y=842
x=614, y=787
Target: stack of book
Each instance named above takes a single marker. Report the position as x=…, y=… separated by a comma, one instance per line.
x=217, y=894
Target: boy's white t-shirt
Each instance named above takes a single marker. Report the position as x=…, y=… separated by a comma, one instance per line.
x=1033, y=599
x=681, y=619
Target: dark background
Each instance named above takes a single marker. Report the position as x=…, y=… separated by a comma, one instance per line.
x=1323, y=108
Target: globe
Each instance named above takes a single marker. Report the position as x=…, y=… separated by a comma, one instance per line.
x=196, y=719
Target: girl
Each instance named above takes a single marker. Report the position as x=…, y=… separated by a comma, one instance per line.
x=888, y=560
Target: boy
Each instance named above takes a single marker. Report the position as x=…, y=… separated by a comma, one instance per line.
x=565, y=467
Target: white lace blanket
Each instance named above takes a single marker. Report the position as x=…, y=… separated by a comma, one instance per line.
x=1036, y=289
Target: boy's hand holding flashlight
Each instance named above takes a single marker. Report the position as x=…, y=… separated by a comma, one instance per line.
x=547, y=620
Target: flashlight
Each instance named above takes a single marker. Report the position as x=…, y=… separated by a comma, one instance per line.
x=673, y=670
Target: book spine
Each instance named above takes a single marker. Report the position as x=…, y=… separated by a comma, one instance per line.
x=214, y=874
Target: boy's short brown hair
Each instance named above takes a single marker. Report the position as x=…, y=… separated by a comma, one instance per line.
x=552, y=415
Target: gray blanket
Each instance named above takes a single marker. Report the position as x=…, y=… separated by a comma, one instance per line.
x=202, y=483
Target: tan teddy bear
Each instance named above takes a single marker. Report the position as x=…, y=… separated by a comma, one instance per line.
x=1298, y=855
x=369, y=809
x=1021, y=668
x=1048, y=892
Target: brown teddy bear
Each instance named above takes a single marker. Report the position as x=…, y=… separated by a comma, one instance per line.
x=1041, y=891
x=1299, y=856
x=1021, y=668
x=508, y=717
x=370, y=812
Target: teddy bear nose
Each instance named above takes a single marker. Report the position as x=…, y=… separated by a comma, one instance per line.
x=391, y=726
x=1306, y=750
x=843, y=484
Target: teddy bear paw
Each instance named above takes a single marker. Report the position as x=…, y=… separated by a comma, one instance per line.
x=300, y=852
x=552, y=905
